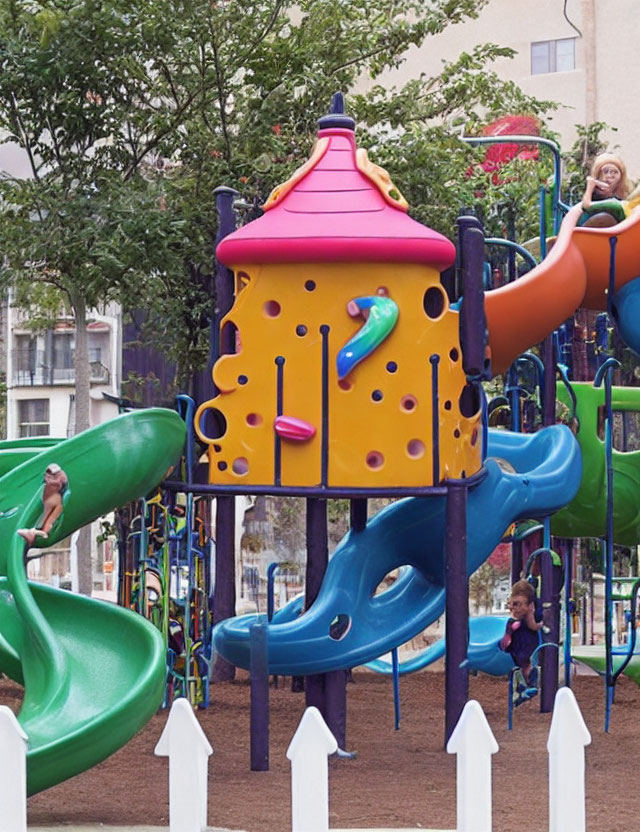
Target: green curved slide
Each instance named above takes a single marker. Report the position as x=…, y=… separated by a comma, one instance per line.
x=586, y=514
x=93, y=673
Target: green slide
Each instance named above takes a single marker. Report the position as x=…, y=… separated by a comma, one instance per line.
x=93, y=673
x=594, y=656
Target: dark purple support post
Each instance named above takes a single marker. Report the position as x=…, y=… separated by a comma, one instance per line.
x=549, y=360
x=335, y=695
x=549, y=573
x=457, y=605
x=358, y=514
x=550, y=596
x=224, y=594
x=473, y=322
x=259, y=670
x=224, y=597
x=326, y=691
x=516, y=560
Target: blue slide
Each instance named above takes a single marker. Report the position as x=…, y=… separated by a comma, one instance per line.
x=483, y=653
x=347, y=625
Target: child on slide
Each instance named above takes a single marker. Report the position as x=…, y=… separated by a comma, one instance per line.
x=522, y=635
x=607, y=199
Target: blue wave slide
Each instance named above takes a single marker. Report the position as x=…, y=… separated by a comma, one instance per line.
x=526, y=476
x=483, y=652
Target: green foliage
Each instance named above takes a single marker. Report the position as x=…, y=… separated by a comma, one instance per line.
x=132, y=112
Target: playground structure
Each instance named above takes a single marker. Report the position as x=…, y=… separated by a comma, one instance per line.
x=358, y=375
x=295, y=245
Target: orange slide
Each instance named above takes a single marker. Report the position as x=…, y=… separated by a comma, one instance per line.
x=575, y=273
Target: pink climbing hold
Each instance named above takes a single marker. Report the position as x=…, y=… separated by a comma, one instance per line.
x=296, y=430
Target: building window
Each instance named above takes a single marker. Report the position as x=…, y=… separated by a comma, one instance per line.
x=553, y=56
x=33, y=416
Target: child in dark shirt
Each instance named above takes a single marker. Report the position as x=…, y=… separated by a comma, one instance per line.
x=521, y=636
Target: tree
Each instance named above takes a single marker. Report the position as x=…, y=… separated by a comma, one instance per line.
x=131, y=112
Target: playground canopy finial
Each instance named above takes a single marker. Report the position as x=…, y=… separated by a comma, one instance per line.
x=336, y=117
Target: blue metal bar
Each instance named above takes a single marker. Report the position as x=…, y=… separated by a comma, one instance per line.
x=523, y=252
x=513, y=394
x=395, y=669
x=271, y=572
x=604, y=374
x=186, y=408
x=435, y=419
x=532, y=358
x=510, y=710
x=633, y=635
x=319, y=491
x=550, y=601
x=277, y=450
x=542, y=229
x=564, y=377
x=324, y=474
x=613, y=242
x=568, y=575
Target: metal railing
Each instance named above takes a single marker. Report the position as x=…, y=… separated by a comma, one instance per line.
x=32, y=368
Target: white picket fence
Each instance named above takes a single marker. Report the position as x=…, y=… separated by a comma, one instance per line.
x=472, y=741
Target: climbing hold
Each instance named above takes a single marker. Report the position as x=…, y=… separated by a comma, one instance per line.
x=296, y=430
x=380, y=315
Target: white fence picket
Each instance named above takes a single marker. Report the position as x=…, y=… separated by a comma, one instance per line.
x=308, y=751
x=13, y=773
x=183, y=741
x=473, y=742
x=568, y=737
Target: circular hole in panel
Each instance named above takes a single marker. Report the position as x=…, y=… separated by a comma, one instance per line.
x=310, y=285
x=222, y=466
x=474, y=436
x=301, y=330
x=377, y=395
x=242, y=379
x=456, y=433
x=388, y=581
x=433, y=302
x=408, y=403
x=340, y=626
x=454, y=355
x=415, y=448
x=469, y=402
x=375, y=460
x=392, y=367
x=254, y=420
x=213, y=424
x=217, y=448
x=271, y=308
x=447, y=404
x=240, y=465
x=343, y=384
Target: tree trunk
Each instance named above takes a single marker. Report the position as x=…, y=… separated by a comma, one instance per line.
x=82, y=422
x=81, y=367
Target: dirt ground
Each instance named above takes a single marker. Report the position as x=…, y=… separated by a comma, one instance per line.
x=399, y=779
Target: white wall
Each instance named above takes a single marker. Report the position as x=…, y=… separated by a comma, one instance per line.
x=518, y=23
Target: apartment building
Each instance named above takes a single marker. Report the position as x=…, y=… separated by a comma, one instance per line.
x=40, y=376
x=40, y=401
x=580, y=53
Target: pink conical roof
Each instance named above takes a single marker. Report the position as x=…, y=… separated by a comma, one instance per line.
x=333, y=210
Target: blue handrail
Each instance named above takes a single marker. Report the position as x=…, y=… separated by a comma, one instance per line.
x=557, y=205
x=604, y=375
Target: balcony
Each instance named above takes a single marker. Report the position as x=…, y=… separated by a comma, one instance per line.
x=34, y=368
